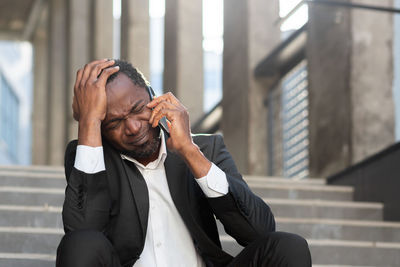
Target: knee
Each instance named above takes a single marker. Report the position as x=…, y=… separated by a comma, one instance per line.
x=83, y=246
x=293, y=248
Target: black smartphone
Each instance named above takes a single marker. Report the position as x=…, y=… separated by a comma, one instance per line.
x=163, y=122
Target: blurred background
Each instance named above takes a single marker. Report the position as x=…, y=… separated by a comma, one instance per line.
x=299, y=89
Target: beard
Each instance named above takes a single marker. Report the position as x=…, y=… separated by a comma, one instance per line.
x=145, y=150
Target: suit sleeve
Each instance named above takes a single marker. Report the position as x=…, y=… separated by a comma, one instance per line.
x=87, y=200
x=244, y=215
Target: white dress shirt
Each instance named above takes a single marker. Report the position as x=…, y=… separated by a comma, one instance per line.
x=167, y=242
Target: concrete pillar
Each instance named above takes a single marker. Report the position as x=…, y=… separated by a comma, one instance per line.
x=135, y=34
x=249, y=36
x=351, y=113
x=40, y=91
x=79, y=52
x=372, y=80
x=57, y=81
x=102, y=23
x=183, y=54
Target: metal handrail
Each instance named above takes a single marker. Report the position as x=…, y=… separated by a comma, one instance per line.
x=354, y=5
x=280, y=21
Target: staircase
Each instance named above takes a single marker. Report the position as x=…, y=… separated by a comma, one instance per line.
x=340, y=232
x=30, y=215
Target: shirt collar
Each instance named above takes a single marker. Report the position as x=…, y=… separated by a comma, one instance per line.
x=156, y=163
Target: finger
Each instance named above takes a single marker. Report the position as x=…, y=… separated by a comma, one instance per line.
x=78, y=79
x=168, y=113
x=75, y=109
x=98, y=68
x=169, y=97
x=160, y=106
x=87, y=69
x=107, y=73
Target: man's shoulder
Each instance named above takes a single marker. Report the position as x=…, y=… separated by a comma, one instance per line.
x=207, y=138
x=208, y=143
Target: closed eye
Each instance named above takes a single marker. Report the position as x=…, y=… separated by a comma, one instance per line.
x=113, y=124
x=137, y=109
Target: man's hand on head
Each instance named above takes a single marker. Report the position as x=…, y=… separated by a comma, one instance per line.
x=90, y=101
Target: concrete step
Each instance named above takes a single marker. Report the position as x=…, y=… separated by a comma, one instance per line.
x=302, y=191
x=36, y=180
x=30, y=240
x=310, y=208
x=35, y=196
x=27, y=260
x=355, y=253
x=358, y=230
x=30, y=216
x=316, y=228
x=280, y=180
x=32, y=168
x=341, y=252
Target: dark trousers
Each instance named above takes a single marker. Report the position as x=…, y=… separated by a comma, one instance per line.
x=91, y=248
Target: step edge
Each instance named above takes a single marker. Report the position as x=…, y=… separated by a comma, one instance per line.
x=358, y=223
x=33, y=167
x=323, y=203
x=337, y=243
x=27, y=256
x=42, y=208
x=31, y=230
x=328, y=188
x=284, y=180
x=29, y=189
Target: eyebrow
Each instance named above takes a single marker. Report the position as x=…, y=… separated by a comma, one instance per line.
x=133, y=108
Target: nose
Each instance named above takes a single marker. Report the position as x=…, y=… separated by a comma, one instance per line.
x=132, y=126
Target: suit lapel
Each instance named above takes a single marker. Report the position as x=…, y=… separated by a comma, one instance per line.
x=176, y=172
x=140, y=192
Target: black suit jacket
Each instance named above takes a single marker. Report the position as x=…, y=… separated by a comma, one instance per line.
x=116, y=202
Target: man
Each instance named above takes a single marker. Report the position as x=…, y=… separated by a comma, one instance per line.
x=138, y=196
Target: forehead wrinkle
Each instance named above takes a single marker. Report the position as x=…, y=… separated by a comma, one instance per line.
x=125, y=110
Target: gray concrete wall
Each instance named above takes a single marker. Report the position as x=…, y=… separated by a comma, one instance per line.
x=396, y=80
x=135, y=36
x=371, y=80
x=249, y=35
x=57, y=75
x=64, y=42
x=349, y=53
x=40, y=131
x=183, y=54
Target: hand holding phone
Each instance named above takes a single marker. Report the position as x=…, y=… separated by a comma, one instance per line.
x=177, y=116
x=163, y=121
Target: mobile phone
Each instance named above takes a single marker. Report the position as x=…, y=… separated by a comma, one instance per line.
x=163, y=121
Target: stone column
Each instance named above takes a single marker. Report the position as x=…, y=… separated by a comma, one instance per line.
x=351, y=113
x=40, y=131
x=135, y=34
x=57, y=81
x=102, y=29
x=79, y=53
x=372, y=80
x=249, y=36
x=183, y=54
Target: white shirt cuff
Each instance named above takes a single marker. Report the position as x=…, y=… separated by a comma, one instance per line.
x=214, y=184
x=89, y=159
